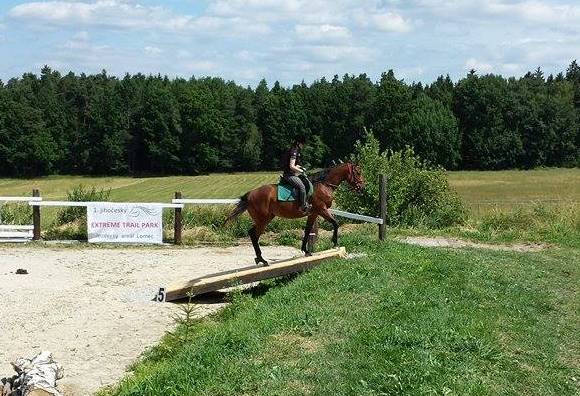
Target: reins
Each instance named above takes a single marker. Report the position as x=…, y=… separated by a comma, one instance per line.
x=326, y=172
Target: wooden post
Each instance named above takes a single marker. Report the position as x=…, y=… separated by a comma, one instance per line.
x=383, y=206
x=178, y=222
x=36, y=218
x=313, y=237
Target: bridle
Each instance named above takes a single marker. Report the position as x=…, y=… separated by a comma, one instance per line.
x=350, y=177
x=356, y=185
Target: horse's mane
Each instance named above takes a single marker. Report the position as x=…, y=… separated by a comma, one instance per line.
x=319, y=176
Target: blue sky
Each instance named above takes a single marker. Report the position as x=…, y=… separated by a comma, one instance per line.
x=289, y=40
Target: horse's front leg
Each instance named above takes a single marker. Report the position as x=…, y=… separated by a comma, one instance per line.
x=328, y=217
x=307, y=230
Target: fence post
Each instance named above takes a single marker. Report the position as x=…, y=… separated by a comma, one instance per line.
x=178, y=222
x=36, y=217
x=313, y=237
x=383, y=206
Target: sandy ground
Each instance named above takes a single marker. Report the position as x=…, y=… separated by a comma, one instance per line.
x=91, y=307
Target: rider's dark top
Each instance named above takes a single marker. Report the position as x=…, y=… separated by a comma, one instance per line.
x=292, y=153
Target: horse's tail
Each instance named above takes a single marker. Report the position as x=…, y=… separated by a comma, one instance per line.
x=240, y=208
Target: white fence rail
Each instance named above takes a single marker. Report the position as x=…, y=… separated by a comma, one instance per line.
x=354, y=216
x=20, y=199
x=9, y=227
x=14, y=233
x=85, y=204
x=216, y=201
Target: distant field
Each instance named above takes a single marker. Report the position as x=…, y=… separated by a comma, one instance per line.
x=482, y=191
x=503, y=190
x=153, y=189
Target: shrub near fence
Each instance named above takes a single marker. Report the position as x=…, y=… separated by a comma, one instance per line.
x=418, y=194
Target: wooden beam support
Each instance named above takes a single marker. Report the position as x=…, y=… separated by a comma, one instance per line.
x=227, y=279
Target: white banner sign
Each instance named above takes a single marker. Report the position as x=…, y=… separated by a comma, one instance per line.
x=124, y=223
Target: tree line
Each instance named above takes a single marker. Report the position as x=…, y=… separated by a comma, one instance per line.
x=137, y=125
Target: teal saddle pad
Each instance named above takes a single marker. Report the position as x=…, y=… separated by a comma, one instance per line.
x=288, y=193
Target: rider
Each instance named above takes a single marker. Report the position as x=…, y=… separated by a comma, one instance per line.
x=293, y=171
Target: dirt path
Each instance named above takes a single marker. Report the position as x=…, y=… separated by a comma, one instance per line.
x=91, y=307
x=460, y=243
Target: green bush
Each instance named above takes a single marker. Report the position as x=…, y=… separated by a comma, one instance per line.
x=80, y=194
x=71, y=222
x=418, y=194
x=15, y=213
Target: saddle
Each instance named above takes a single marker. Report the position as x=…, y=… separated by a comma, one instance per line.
x=287, y=193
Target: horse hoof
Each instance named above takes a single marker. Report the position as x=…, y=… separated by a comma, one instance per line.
x=307, y=254
x=260, y=260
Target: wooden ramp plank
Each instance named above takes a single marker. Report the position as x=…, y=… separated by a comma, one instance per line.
x=222, y=280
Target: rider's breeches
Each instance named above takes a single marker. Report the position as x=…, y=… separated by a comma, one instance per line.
x=296, y=182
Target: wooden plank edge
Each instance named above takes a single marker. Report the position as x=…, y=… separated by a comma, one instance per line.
x=339, y=252
x=212, y=282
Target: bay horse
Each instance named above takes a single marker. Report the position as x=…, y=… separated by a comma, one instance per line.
x=262, y=204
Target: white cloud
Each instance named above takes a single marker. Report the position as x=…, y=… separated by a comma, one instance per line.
x=79, y=41
x=200, y=66
x=150, y=50
x=183, y=54
x=535, y=11
x=390, y=22
x=512, y=69
x=411, y=73
x=233, y=25
x=542, y=12
x=324, y=32
x=478, y=66
x=115, y=13
x=336, y=53
x=305, y=11
x=245, y=56
x=123, y=14
x=82, y=35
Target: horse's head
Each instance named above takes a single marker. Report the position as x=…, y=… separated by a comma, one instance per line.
x=355, y=177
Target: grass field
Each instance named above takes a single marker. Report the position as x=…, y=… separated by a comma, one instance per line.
x=481, y=191
x=401, y=321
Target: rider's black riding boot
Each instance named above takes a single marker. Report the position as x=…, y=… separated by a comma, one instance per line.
x=305, y=207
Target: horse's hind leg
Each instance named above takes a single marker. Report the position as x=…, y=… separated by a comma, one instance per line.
x=255, y=232
x=255, y=238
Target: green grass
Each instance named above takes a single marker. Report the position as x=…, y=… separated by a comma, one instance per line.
x=154, y=189
x=403, y=320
